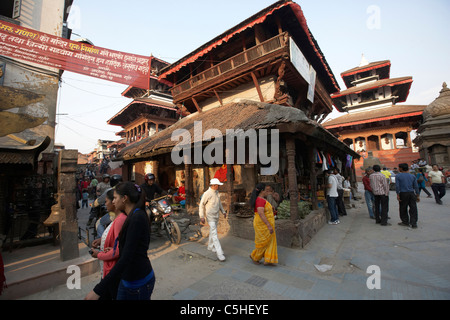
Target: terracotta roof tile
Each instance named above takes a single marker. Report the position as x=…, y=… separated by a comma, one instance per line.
x=373, y=85
x=395, y=111
x=370, y=66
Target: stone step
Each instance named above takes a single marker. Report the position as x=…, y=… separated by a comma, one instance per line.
x=33, y=269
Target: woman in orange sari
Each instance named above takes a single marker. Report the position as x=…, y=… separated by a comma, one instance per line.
x=264, y=224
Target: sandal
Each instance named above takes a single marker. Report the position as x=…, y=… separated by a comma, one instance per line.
x=269, y=264
x=255, y=262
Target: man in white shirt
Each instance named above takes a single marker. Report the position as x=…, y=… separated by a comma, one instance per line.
x=437, y=179
x=332, y=196
x=210, y=207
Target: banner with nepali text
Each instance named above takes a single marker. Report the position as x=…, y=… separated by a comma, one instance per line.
x=56, y=52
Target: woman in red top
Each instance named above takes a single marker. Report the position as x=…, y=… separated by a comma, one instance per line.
x=106, y=242
x=264, y=224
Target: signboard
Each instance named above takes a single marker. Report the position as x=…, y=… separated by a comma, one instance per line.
x=312, y=84
x=56, y=52
x=303, y=67
x=299, y=61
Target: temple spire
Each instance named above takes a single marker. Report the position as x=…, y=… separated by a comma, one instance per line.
x=364, y=61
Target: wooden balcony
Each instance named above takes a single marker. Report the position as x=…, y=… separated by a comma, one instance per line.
x=226, y=70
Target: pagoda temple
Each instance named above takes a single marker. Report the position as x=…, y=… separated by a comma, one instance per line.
x=150, y=111
x=374, y=122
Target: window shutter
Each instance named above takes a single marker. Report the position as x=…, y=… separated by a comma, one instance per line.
x=16, y=9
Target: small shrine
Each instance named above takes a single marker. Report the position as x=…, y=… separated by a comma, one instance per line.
x=433, y=137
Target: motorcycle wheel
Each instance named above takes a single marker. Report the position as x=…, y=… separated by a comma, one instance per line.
x=173, y=231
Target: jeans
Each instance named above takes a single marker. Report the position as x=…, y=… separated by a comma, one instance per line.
x=369, y=201
x=381, y=208
x=408, y=199
x=424, y=189
x=142, y=293
x=439, y=191
x=213, y=241
x=332, y=206
x=340, y=203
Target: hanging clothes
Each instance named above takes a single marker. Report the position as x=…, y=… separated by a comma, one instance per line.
x=330, y=160
x=318, y=158
x=338, y=164
x=324, y=163
x=349, y=161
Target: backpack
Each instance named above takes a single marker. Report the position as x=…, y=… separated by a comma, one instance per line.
x=421, y=178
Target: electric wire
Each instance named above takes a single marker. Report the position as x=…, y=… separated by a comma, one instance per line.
x=97, y=94
x=89, y=126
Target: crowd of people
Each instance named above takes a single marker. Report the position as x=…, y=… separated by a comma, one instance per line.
x=123, y=237
x=121, y=246
x=408, y=182
x=408, y=186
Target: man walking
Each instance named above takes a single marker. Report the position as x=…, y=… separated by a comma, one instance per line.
x=209, y=207
x=368, y=193
x=437, y=183
x=408, y=195
x=380, y=188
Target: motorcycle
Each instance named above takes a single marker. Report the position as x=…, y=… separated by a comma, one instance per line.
x=159, y=212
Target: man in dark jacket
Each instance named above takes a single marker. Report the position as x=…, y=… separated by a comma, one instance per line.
x=408, y=195
x=150, y=187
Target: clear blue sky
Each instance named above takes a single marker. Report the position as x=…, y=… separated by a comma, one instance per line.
x=414, y=35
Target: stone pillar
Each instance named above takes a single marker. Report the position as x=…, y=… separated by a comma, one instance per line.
x=292, y=177
x=68, y=224
x=408, y=142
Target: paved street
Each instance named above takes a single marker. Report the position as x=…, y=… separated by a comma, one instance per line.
x=413, y=263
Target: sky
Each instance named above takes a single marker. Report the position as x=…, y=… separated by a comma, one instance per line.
x=413, y=35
